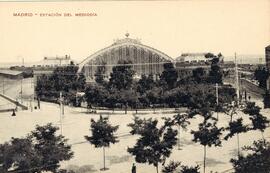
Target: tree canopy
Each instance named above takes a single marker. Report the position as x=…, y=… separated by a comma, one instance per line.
x=215, y=74
x=176, y=167
x=63, y=79
x=100, y=73
x=169, y=76
x=261, y=74
x=102, y=133
x=257, y=159
x=259, y=122
x=41, y=150
x=121, y=76
x=146, y=83
x=154, y=144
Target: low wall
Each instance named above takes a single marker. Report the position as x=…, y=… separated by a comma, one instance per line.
x=14, y=101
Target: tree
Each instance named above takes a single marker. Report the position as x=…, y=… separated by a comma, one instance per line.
x=146, y=83
x=63, y=79
x=219, y=55
x=202, y=104
x=172, y=167
x=153, y=96
x=251, y=109
x=65, y=171
x=169, y=76
x=198, y=75
x=215, y=74
x=96, y=95
x=261, y=74
x=236, y=127
x=266, y=99
x=102, y=135
x=154, y=144
x=42, y=150
x=45, y=87
x=259, y=122
x=51, y=148
x=207, y=135
x=113, y=98
x=121, y=76
x=191, y=169
x=257, y=159
x=19, y=155
x=231, y=110
x=182, y=122
x=226, y=95
x=100, y=73
x=81, y=82
x=209, y=55
x=127, y=98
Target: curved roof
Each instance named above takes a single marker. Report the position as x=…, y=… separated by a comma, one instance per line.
x=123, y=42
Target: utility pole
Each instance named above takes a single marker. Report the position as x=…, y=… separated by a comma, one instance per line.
x=63, y=108
x=21, y=90
x=31, y=106
x=237, y=80
x=32, y=83
x=217, y=98
x=3, y=85
x=60, y=101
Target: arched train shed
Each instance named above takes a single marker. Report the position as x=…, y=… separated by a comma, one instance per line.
x=144, y=59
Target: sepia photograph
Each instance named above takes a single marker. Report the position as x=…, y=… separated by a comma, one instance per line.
x=118, y=86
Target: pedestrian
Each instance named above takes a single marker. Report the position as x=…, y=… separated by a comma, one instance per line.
x=133, y=170
x=13, y=113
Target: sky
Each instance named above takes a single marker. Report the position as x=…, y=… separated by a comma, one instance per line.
x=173, y=27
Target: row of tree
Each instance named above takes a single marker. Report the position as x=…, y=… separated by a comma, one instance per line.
x=155, y=142
x=261, y=74
x=169, y=90
x=63, y=79
x=122, y=90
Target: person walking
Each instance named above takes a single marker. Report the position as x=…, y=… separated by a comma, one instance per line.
x=133, y=170
x=13, y=113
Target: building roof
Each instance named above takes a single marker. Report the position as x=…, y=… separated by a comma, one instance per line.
x=192, y=56
x=124, y=42
x=10, y=72
x=66, y=57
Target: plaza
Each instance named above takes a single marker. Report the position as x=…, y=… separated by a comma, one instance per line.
x=76, y=124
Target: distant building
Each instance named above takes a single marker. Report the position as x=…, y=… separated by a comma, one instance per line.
x=11, y=74
x=187, y=62
x=54, y=61
x=193, y=58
